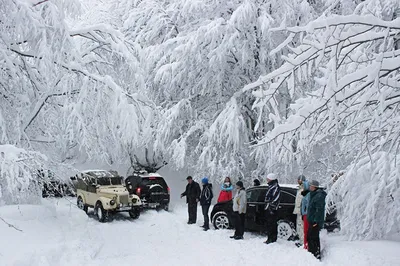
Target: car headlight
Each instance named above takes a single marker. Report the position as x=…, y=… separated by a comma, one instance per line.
x=134, y=200
x=112, y=202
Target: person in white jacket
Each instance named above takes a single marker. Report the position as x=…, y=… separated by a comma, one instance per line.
x=239, y=210
x=297, y=207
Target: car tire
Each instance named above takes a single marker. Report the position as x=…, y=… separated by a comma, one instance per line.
x=134, y=214
x=286, y=230
x=81, y=205
x=166, y=207
x=221, y=221
x=101, y=214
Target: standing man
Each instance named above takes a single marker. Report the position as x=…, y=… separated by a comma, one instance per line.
x=192, y=194
x=272, y=200
x=205, y=201
x=239, y=210
x=301, y=180
x=315, y=217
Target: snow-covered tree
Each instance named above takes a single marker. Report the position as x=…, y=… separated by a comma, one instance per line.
x=351, y=66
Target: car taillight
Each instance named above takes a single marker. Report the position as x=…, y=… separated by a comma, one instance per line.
x=138, y=190
x=169, y=190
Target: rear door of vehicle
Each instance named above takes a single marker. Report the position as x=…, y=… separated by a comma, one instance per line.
x=255, y=207
x=154, y=189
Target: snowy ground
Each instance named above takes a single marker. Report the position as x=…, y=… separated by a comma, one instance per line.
x=58, y=233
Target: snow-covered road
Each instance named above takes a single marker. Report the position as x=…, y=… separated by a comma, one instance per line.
x=58, y=233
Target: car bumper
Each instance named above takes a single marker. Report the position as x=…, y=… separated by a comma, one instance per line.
x=129, y=208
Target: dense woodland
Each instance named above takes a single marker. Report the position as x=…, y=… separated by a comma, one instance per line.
x=220, y=87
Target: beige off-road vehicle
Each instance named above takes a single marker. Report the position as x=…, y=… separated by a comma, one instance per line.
x=103, y=191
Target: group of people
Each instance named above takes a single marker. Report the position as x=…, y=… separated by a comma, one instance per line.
x=309, y=207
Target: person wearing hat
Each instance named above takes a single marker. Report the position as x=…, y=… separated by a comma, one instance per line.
x=272, y=200
x=205, y=201
x=192, y=194
x=303, y=185
x=239, y=210
x=315, y=217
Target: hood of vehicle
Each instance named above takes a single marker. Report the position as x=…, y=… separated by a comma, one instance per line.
x=114, y=190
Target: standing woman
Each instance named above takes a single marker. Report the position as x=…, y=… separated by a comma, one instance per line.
x=239, y=210
x=226, y=190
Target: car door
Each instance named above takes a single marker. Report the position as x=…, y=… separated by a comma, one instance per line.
x=91, y=190
x=286, y=205
x=255, y=207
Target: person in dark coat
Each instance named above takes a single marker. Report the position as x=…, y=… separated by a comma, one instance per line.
x=315, y=217
x=205, y=201
x=256, y=182
x=272, y=200
x=192, y=194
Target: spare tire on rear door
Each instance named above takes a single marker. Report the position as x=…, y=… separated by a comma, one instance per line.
x=132, y=183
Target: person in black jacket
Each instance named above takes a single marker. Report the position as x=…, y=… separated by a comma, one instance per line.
x=192, y=194
x=272, y=200
x=205, y=201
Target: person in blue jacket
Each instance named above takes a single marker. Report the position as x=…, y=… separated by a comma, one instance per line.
x=226, y=191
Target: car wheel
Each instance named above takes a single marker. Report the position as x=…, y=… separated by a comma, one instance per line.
x=286, y=230
x=166, y=207
x=81, y=205
x=101, y=214
x=221, y=221
x=134, y=214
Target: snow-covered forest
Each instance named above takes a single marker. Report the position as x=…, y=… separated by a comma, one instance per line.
x=217, y=87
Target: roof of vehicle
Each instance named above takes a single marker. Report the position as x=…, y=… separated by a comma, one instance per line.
x=145, y=174
x=101, y=173
x=293, y=186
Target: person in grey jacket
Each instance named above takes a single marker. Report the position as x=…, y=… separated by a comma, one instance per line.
x=239, y=210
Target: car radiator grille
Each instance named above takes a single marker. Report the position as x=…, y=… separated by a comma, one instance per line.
x=124, y=199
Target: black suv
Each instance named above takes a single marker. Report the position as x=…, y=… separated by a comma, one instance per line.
x=221, y=214
x=151, y=188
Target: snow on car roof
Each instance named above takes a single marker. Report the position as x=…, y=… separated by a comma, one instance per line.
x=99, y=172
x=151, y=174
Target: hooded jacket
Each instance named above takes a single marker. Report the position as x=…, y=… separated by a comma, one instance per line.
x=206, y=195
x=316, y=207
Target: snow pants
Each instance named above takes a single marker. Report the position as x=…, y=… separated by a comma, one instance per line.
x=314, y=245
x=205, y=209
x=272, y=226
x=305, y=231
x=300, y=227
x=192, y=210
x=238, y=219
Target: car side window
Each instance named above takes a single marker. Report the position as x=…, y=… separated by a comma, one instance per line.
x=287, y=198
x=253, y=195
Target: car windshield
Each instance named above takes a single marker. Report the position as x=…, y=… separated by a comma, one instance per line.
x=107, y=181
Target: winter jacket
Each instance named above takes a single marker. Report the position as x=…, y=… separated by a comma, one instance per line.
x=226, y=193
x=272, y=197
x=192, y=192
x=316, y=207
x=299, y=198
x=206, y=195
x=240, y=201
x=305, y=202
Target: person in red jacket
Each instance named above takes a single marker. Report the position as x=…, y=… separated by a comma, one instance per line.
x=226, y=190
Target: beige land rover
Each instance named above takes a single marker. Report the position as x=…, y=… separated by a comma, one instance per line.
x=103, y=191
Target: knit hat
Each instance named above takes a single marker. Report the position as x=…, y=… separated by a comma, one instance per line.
x=204, y=180
x=302, y=178
x=256, y=182
x=239, y=184
x=314, y=183
x=271, y=176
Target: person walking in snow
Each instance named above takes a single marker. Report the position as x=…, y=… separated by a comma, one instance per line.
x=205, y=201
x=301, y=180
x=239, y=210
x=226, y=190
x=272, y=200
x=315, y=217
x=192, y=194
